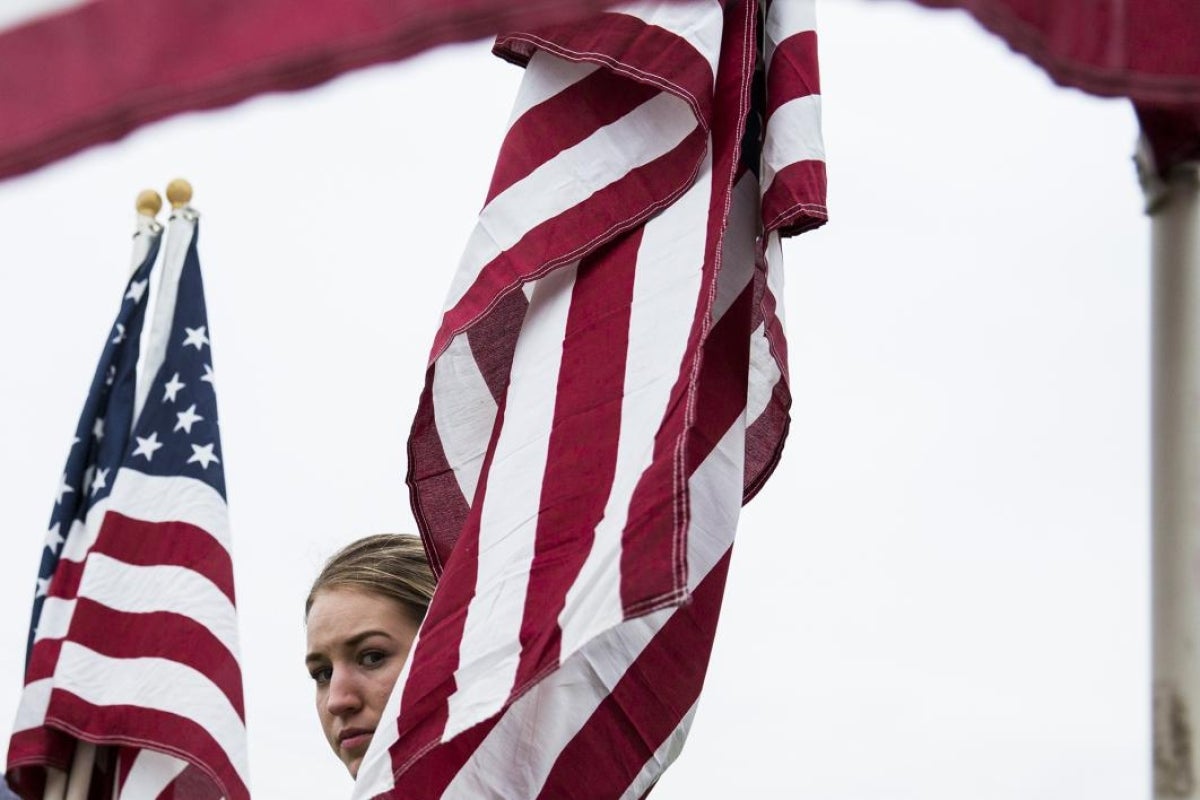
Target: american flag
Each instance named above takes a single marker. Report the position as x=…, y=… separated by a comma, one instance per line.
x=133, y=639
x=607, y=387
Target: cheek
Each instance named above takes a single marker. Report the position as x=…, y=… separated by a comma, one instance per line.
x=382, y=685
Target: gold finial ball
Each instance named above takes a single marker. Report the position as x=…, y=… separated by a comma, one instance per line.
x=149, y=203
x=179, y=193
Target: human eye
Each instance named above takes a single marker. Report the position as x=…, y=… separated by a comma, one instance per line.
x=372, y=658
x=321, y=674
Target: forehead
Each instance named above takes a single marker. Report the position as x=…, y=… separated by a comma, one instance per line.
x=340, y=613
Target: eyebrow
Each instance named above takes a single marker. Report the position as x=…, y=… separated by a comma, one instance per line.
x=353, y=641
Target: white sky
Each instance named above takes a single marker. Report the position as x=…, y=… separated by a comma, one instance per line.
x=942, y=593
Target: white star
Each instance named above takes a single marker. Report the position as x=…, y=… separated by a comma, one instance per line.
x=196, y=337
x=112, y=376
x=172, y=388
x=207, y=377
x=204, y=455
x=64, y=488
x=100, y=481
x=54, y=538
x=43, y=587
x=146, y=446
x=120, y=337
x=136, y=290
x=187, y=419
x=98, y=429
x=88, y=474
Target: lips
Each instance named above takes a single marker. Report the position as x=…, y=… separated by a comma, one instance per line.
x=354, y=738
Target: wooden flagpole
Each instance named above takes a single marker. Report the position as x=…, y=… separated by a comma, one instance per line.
x=1174, y=207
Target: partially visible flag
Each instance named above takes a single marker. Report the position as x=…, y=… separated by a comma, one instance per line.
x=607, y=387
x=80, y=72
x=1144, y=50
x=133, y=639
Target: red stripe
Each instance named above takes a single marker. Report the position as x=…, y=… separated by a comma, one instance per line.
x=764, y=441
x=721, y=384
x=629, y=47
x=493, y=342
x=645, y=707
x=795, y=201
x=437, y=501
x=434, y=660
x=624, y=204
x=158, y=634
x=43, y=659
x=192, y=784
x=653, y=546
x=93, y=74
x=146, y=727
x=30, y=752
x=563, y=121
x=178, y=544
x=793, y=71
x=582, y=452
x=64, y=583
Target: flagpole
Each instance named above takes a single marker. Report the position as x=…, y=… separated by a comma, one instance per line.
x=1173, y=203
x=56, y=784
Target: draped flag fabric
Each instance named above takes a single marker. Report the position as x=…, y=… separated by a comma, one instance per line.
x=607, y=386
x=80, y=72
x=1144, y=50
x=133, y=638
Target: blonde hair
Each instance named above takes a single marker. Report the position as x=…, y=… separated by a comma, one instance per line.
x=391, y=565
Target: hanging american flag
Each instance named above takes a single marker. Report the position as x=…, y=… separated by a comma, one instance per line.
x=133, y=640
x=606, y=388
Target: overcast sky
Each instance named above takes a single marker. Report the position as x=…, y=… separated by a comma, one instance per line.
x=942, y=593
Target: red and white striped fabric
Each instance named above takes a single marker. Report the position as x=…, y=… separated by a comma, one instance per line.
x=605, y=389
x=135, y=646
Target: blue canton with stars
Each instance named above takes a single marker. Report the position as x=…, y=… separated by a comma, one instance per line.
x=177, y=432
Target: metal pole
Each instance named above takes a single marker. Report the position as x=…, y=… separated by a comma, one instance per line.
x=1174, y=207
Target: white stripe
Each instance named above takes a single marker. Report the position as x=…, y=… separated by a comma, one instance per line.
x=490, y=648
x=546, y=76
x=147, y=234
x=180, y=230
x=667, y=284
x=650, y=131
x=17, y=12
x=464, y=413
x=525, y=743
x=786, y=19
x=764, y=374
x=663, y=757
x=793, y=135
x=775, y=274
x=177, y=590
x=738, y=248
x=35, y=699
x=700, y=23
x=154, y=498
x=715, y=500
x=159, y=684
x=55, y=619
x=150, y=774
x=82, y=534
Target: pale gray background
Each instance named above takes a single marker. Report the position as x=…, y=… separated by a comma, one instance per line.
x=943, y=591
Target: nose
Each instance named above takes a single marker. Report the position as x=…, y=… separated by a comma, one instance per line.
x=344, y=695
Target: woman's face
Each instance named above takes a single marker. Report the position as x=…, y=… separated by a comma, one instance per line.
x=357, y=643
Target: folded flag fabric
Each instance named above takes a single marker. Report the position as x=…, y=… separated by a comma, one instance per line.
x=607, y=386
